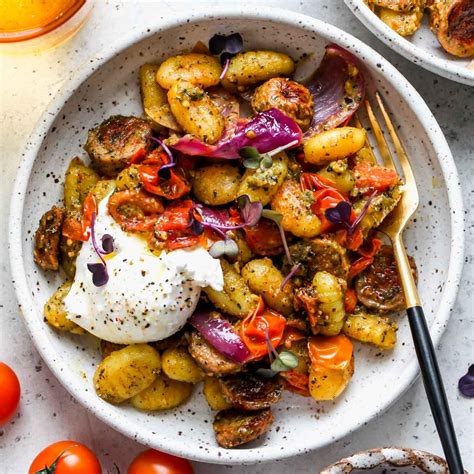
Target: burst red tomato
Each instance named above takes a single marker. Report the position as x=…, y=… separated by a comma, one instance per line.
x=9, y=393
x=70, y=457
x=156, y=462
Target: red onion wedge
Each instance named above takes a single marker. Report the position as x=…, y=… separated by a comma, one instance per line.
x=221, y=335
x=268, y=130
x=338, y=88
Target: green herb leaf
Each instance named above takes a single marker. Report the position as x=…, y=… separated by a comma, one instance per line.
x=286, y=360
x=266, y=161
x=249, y=152
x=252, y=163
x=272, y=215
x=225, y=247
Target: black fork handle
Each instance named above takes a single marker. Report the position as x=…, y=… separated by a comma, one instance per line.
x=434, y=388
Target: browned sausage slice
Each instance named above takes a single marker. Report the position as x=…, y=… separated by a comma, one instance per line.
x=251, y=392
x=115, y=141
x=46, y=251
x=234, y=427
x=379, y=286
x=209, y=359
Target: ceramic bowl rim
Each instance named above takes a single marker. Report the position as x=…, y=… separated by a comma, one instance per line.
x=444, y=67
x=35, y=324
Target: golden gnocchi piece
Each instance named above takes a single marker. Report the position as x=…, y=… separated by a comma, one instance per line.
x=126, y=372
x=195, y=112
x=236, y=298
x=264, y=279
x=216, y=184
x=128, y=179
x=80, y=179
x=154, y=99
x=263, y=183
x=212, y=390
x=56, y=315
x=163, y=394
x=201, y=70
x=178, y=364
x=326, y=383
x=379, y=331
x=403, y=23
x=333, y=144
x=252, y=67
x=295, y=207
x=341, y=176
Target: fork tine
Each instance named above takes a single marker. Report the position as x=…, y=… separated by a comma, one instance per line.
x=358, y=124
x=401, y=154
x=382, y=143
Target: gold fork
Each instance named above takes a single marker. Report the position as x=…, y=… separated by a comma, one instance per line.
x=393, y=227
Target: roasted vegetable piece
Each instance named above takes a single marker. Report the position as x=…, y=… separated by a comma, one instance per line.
x=126, y=372
x=376, y=330
x=209, y=359
x=178, y=364
x=396, y=5
x=112, y=144
x=403, y=23
x=195, y=112
x=264, y=279
x=326, y=383
x=213, y=392
x=216, y=184
x=128, y=179
x=46, y=250
x=56, y=315
x=252, y=67
x=320, y=254
x=79, y=181
x=199, y=69
x=295, y=207
x=234, y=427
x=291, y=97
x=251, y=392
x=155, y=102
x=236, y=298
x=69, y=250
x=379, y=286
x=262, y=184
x=163, y=394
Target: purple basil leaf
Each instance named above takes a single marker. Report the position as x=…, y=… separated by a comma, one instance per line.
x=213, y=216
x=107, y=244
x=250, y=211
x=217, y=44
x=196, y=227
x=354, y=225
x=466, y=383
x=266, y=131
x=333, y=104
x=234, y=43
x=339, y=214
x=99, y=273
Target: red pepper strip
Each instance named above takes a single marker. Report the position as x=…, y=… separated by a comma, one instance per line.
x=367, y=258
x=80, y=230
x=296, y=382
x=149, y=205
x=374, y=177
x=350, y=300
x=333, y=352
x=291, y=335
x=255, y=326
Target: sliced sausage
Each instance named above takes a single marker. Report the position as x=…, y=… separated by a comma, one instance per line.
x=115, y=141
x=46, y=250
x=234, y=427
x=379, y=286
x=209, y=359
x=251, y=392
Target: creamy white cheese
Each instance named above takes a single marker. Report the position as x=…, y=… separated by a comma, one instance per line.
x=147, y=297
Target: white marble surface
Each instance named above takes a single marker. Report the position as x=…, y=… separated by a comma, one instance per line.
x=48, y=413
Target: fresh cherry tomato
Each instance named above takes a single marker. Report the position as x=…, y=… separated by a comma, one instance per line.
x=9, y=393
x=66, y=457
x=334, y=352
x=257, y=325
x=156, y=462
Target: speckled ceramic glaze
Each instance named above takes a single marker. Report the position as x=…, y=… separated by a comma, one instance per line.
x=421, y=48
x=109, y=85
x=399, y=460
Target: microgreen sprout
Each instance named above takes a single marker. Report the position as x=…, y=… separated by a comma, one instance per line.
x=226, y=46
x=254, y=160
x=466, y=383
x=277, y=218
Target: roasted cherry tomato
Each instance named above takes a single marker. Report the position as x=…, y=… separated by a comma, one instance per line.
x=257, y=325
x=264, y=238
x=366, y=259
x=296, y=382
x=81, y=229
x=334, y=352
x=291, y=335
x=9, y=393
x=374, y=177
x=65, y=457
x=350, y=300
x=156, y=462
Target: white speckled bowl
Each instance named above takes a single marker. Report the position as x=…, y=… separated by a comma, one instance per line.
x=108, y=85
x=422, y=48
x=392, y=459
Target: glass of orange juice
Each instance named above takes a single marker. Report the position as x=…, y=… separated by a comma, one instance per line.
x=39, y=24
